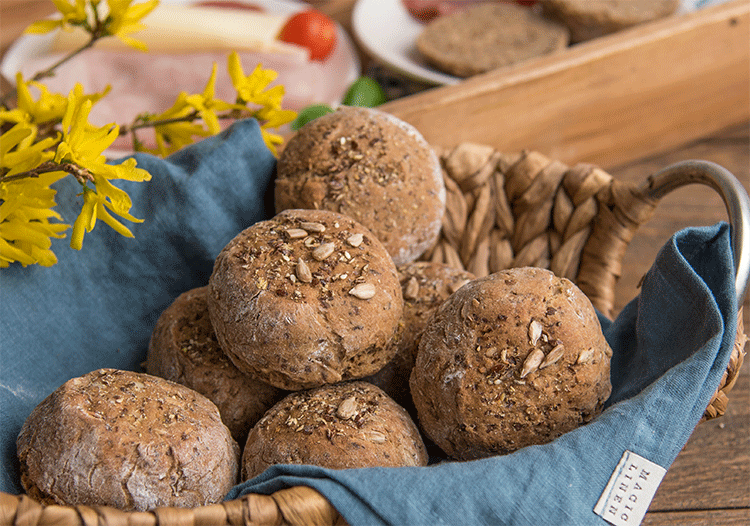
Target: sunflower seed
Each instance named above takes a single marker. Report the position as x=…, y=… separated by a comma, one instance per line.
x=553, y=356
x=323, y=251
x=376, y=437
x=355, y=240
x=585, y=355
x=535, y=331
x=347, y=409
x=313, y=227
x=296, y=233
x=303, y=271
x=363, y=291
x=412, y=289
x=532, y=362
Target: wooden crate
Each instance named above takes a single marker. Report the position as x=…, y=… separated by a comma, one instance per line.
x=607, y=101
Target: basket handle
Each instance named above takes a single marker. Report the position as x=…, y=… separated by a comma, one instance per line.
x=735, y=200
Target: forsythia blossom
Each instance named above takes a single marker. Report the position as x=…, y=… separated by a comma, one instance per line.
x=49, y=138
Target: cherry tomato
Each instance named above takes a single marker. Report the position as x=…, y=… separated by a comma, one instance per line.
x=313, y=30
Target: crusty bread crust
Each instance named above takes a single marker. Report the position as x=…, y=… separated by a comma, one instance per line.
x=128, y=440
x=510, y=360
x=425, y=286
x=307, y=298
x=372, y=167
x=347, y=425
x=183, y=348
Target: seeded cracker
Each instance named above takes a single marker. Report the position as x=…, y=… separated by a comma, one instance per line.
x=347, y=425
x=510, y=360
x=307, y=298
x=488, y=36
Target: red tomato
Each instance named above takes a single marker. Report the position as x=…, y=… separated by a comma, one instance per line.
x=313, y=30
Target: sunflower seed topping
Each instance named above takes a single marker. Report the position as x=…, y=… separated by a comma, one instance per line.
x=363, y=291
x=303, y=271
x=355, y=240
x=313, y=227
x=347, y=409
x=296, y=233
x=553, y=356
x=532, y=362
x=535, y=331
x=412, y=289
x=585, y=355
x=323, y=251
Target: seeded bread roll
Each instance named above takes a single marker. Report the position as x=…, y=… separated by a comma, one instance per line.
x=127, y=440
x=488, y=36
x=512, y=359
x=372, y=167
x=184, y=349
x=307, y=298
x=424, y=286
x=587, y=19
x=347, y=425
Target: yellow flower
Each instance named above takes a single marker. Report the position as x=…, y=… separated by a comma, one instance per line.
x=73, y=14
x=207, y=105
x=82, y=145
x=125, y=19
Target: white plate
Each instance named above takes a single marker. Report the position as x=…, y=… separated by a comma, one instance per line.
x=315, y=82
x=386, y=30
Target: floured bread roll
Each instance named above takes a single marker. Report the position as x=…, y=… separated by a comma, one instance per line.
x=347, y=425
x=589, y=19
x=128, y=440
x=372, y=167
x=424, y=286
x=184, y=349
x=307, y=298
x=512, y=359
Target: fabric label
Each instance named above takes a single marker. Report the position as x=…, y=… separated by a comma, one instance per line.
x=630, y=489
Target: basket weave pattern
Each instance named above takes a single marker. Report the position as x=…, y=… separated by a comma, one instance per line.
x=503, y=211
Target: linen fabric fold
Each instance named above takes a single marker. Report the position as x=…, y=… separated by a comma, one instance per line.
x=97, y=308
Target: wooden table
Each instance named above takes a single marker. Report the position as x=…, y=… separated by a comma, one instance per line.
x=709, y=483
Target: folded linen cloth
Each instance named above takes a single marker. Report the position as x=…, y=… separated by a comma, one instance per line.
x=96, y=308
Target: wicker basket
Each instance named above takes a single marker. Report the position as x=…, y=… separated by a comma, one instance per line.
x=503, y=210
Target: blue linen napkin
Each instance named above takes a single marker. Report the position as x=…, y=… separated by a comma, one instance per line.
x=96, y=308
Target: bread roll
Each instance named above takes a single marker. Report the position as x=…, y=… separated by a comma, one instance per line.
x=128, y=440
x=347, y=425
x=372, y=167
x=512, y=359
x=183, y=348
x=307, y=298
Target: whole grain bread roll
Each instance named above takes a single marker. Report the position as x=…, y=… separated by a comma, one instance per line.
x=127, y=440
x=372, y=167
x=347, y=425
x=307, y=298
x=589, y=19
x=488, y=36
x=424, y=286
x=510, y=360
x=183, y=348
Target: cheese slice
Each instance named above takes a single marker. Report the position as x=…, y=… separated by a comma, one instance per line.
x=174, y=28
